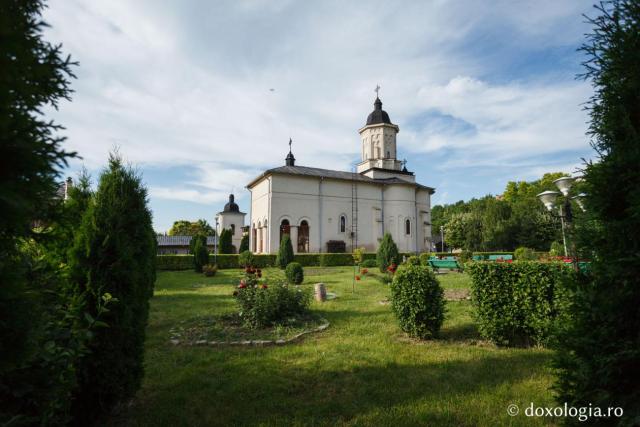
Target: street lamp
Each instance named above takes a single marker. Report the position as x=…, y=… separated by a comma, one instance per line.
x=215, y=241
x=550, y=199
x=442, y=238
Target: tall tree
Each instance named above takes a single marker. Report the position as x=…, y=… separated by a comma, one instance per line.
x=34, y=74
x=226, y=241
x=599, y=352
x=115, y=253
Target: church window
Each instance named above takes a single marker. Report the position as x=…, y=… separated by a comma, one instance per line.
x=388, y=154
x=303, y=237
x=343, y=223
x=285, y=228
x=233, y=229
x=407, y=227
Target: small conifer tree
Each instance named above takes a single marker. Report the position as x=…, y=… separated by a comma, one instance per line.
x=387, y=253
x=285, y=253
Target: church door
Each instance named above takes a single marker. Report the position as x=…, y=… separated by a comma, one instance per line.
x=303, y=237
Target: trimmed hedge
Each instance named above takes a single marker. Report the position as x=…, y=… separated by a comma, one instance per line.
x=517, y=303
x=185, y=262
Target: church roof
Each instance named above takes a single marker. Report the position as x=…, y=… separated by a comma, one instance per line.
x=378, y=115
x=231, y=206
x=340, y=175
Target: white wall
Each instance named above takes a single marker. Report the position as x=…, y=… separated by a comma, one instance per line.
x=297, y=198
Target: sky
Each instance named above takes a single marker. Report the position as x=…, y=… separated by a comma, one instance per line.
x=203, y=96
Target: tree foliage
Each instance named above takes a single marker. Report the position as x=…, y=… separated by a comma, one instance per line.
x=387, y=253
x=516, y=218
x=285, y=252
x=244, y=244
x=599, y=350
x=114, y=252
x=226, y=242
x=191, y=228
x=200, y=253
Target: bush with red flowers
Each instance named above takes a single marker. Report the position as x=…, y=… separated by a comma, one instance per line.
x=261, y=305
x=364, y=271
x=357, y=277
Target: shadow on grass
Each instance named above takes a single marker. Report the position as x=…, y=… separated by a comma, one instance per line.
x=460, y=332
x=254, y=387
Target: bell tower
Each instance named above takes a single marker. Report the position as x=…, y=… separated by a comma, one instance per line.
x=378, y=138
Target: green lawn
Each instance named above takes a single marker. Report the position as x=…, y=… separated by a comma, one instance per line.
x=361, y=371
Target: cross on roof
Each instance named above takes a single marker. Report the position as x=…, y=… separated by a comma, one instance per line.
x=290, y=144
x=377, y=91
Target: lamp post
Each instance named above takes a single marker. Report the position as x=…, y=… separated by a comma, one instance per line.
x=442, y=238
x=565, y=211
x=216, y=241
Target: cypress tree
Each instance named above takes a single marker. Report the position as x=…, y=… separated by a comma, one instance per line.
x=200, y=255
x=244, y=244
x=387, y=253
x=226, y=244
x=114, y=253
x=598, y=358
x=285, y=252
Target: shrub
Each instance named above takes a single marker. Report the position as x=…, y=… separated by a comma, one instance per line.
x=417, y=300
x=412, y=260
x=200, y=256
x=261, y=305
x=115, y=253
x=307, y=260
x=424, y=258
x=525, y=254
x=336, y=246
x=244, y=244
x=294, y=273
x=465, y=256
x=331, y=260
x=369, y=263
x=557, y=249
x=210, y=270
x=285, y=252
x=225, y=243
x=516, y=304
x=246, y=259
x=195, y=239
x=387, y=253
x=174, y=262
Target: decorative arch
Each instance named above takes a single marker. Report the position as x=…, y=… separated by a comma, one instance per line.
x=285, y=227
x=303, y=236
x=342, y=223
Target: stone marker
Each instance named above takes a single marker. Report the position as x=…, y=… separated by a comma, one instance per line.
x=321, y=292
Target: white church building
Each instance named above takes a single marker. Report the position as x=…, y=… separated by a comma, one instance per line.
x=316, y=206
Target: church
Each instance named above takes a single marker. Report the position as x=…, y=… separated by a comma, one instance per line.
x=322, y=208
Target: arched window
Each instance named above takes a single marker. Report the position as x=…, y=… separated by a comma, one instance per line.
x=285, y=228
x=233, y=229
x=343, y=223
x=407, y=227
x=303, y=237
x=388, y=154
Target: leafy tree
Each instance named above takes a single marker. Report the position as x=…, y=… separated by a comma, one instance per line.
x=387, y=253
x=192, y=243
x=285, y=252
x=34, y=75
x=599, y=350
x=200, y=254
x=188, y=228
x=244, y=244
x=114, y=252
x=226, y=243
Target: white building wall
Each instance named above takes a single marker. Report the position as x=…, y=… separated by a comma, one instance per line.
x=321, y=202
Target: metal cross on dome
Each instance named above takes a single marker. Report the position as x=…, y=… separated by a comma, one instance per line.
x=377, y=91
x=290, y=144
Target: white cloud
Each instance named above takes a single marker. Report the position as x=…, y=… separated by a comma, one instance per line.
x=187, y=83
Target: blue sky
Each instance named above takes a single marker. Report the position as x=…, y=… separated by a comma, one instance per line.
x=483, y=91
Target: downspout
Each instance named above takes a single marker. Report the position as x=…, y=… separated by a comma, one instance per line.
x=320, y=214
x=269, y=216
x=416, y=221
x=382, y=209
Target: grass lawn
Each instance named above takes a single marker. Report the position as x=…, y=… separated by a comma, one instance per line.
x=361, y=371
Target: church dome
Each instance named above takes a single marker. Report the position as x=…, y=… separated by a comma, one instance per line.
x=231, y=205
x=378, y=115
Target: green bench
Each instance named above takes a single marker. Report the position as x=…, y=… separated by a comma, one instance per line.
x=451, y=264
x=504, y=257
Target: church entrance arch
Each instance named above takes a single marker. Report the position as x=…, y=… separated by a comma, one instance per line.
x=285, y=228
x=303, y=237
